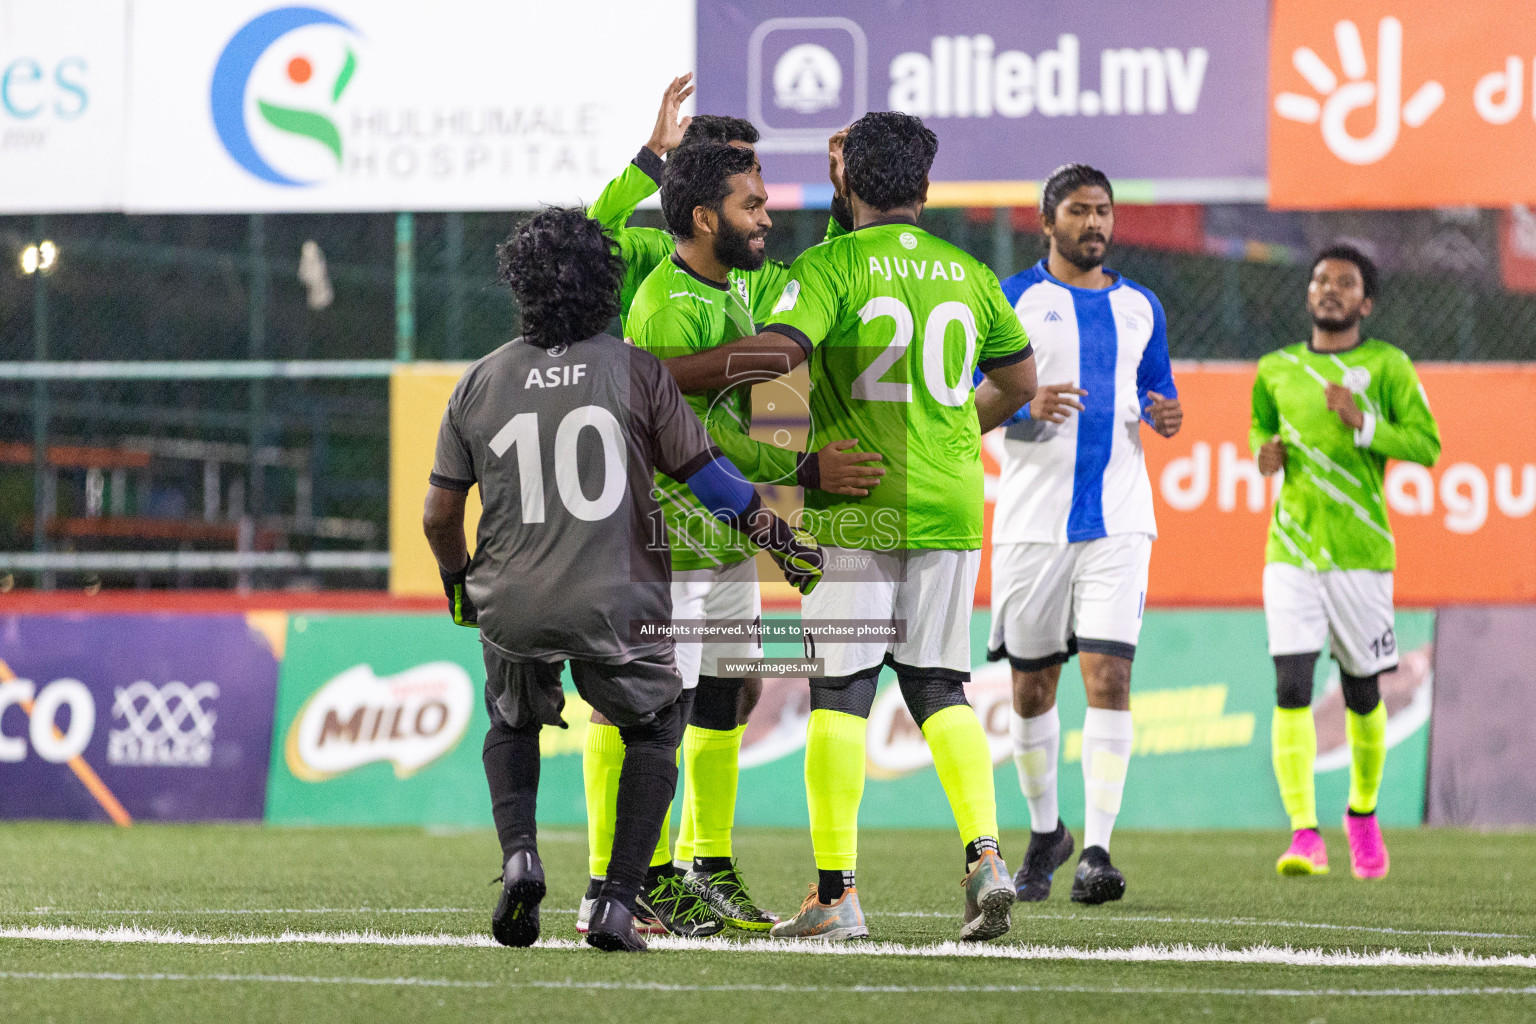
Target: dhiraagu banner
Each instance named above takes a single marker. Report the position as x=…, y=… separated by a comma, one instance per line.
x=380, y=720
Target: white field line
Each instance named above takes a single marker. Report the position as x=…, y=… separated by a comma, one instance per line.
x=1239, y=922
x=630, y=986
x=1158, y=953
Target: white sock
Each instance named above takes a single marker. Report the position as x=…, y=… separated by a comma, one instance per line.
x=1106, y=756
x=1036, y=748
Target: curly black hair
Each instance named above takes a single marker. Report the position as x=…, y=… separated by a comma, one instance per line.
x=887, y=156
x=699, y=175
x=719, y=128
x=1065, y=180
x=1367, y=267
x=566, y=272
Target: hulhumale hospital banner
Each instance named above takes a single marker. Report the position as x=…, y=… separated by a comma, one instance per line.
x=137, y=717
x=1168, y=98
x=391, y=105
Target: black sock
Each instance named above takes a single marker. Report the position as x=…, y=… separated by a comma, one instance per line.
x=656, y=872
x=646, y=786
x=594, y=889
x=976, y=847
x=830, y=885
x=709, y=865
x=511, y=760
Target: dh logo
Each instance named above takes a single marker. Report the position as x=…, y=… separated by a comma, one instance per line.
x=232, y=77
x=1341, y=100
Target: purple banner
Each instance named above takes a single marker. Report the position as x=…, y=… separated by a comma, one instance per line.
x=1164, y=90
x=166, y=717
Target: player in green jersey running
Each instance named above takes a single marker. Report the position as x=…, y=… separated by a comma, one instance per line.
x=679, y=309
x=1330, y=412
x=893, y=321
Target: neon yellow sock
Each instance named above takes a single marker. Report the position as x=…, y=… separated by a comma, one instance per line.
x=964, y=760
x=602, y=758
x=711, y=758
x=1367, y=756
x=834, y=786
x=1293, y=744
x=683, y=851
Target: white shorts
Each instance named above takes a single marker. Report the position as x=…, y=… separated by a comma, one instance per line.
x=1349, y=609
x=724, y=592
x=1050, y=601
x=927, y=592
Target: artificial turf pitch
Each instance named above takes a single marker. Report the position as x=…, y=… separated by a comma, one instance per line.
x=1189, y=895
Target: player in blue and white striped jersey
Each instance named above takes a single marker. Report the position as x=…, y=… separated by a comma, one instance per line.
x=1073, y=529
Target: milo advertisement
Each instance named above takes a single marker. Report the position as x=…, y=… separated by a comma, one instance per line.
x=380, y=720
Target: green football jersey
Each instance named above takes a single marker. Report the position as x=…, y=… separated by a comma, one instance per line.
x=896, y=320
x=675, y=313
x=643, y=249
x=1332, y=513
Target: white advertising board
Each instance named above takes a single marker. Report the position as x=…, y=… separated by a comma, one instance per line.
x=391, y=105
x=61, y=105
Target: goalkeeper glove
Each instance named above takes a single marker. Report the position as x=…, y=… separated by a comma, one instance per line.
x=460, y=606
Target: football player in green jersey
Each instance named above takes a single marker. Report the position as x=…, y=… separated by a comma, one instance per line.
x=644, y=248
x=893, y=321
x=715, y=289
x=1330, y=412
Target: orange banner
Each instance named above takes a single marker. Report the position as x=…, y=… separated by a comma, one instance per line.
x=1465, y=529
x=1401, y=103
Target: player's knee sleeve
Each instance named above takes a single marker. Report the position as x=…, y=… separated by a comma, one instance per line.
x=1293, y=679
x=715, y=702
x=661, y=735
x=851, y=695
x=1361, y=693
x=927, y=695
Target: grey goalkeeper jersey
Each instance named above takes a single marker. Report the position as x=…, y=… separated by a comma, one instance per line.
x=564, y=443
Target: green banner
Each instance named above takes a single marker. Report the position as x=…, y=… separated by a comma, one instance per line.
x=380, y=720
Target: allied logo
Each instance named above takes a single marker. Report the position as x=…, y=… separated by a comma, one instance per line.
x=163, y=725
x=1340, y=99
x=410, y=720
x=807, y=79
x=287, y=96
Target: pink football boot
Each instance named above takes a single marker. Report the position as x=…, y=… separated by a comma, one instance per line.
x=1367, y=852
x=1307, y=855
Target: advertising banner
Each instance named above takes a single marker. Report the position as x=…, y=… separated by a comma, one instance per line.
x=1474, y=508
x=1164, y=98
x=1401, y=103
x=137, y=717
x=1482, y=754
x=418, y=396
x=1202, y=695
x=380, y=721
x=62, y=83
x=373, y=105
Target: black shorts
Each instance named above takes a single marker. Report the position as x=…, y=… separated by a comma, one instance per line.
x=520, y=693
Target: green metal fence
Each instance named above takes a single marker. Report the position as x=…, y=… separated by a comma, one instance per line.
x=294, y=466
